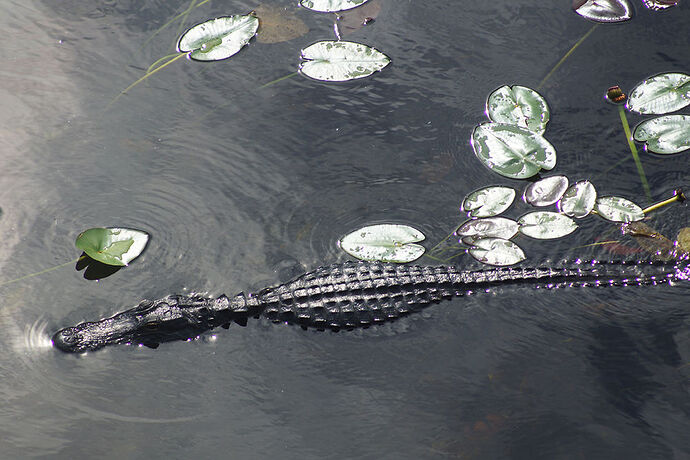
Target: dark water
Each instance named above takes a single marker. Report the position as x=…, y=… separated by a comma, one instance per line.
x=242, y=187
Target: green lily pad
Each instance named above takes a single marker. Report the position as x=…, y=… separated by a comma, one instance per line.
x=545, y=225
x=330, y=6
x=617, y=209
x=518, y=106
x=218, y=38
x=384, y=243
x=112, y=246
x=341, y=61
x=603, y=10
x=546, y=191
x=579, y=200
x=488, y=201
x=512, y=151
x=490, y=227
x=660, y=94
x=666, y=135
x=497, y=251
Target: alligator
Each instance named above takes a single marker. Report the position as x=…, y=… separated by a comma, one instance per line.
x=345, y=296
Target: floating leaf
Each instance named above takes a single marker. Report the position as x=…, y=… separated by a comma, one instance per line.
x=684, y=239
x=659, y=4
x=603, y=10
x=667, y=134
x=546, y=191
x=218, y=38
x=491, y=227
x=518, y=106
x=341, y=61
x=660, y=94
x=497, y=251
x=384, y=243
x=353, y=20
x=489, y=201
x=579, y=200
x=330, y=6
x=277, y=24
x=545, y=225
x=618, y=209
x=112, y=246
x=512, y=151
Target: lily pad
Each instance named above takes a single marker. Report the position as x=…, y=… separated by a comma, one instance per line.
x=489, y=201
x=497, y=251
x=384, y=243
x=660, y=94
x=112, y=246
x=278, y=24
x=684, y=239
x=659, y=4
x=518, y=106
x=512, y=151
x=341, y=61
x=353, y=20
x=545, y=225
x=490, y=227
x=666, y=135
x=218, y=38
x=546, y=191
x=330, y=6
x=617, y=209
x=579, y=200
x=603, y=10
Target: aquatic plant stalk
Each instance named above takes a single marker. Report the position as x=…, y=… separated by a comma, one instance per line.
x=678, y=196
x=566, y=56
x=184, y=13
x=278, y=80
x=31, y=275
x=633, y=150
x=146, y=75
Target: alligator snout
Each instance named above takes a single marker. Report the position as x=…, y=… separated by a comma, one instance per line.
x=68, y=339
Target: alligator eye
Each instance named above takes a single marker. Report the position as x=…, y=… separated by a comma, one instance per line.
x=152, y=325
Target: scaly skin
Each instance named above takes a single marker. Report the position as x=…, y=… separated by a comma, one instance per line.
x=344, y=296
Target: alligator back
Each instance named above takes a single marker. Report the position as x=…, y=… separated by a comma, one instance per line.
x=359, y=294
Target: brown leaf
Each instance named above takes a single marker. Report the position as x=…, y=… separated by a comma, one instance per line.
x=278, y=24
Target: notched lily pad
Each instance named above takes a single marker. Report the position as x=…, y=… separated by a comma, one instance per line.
x=331, y=6
x=497, y=251
x=384, y=243
x=490, y=227
x=518, y=106
x=488, y=201
x=665, y=135
x=603, y=10
x=341, y=61
x=660, y=94
x=512, y=151
x=617, y=209
x=218, y=38
x=112, y=246
x=545, y=225
x=546, y=191
x=579, y=200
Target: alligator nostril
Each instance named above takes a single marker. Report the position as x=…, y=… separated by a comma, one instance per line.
x=65, y=340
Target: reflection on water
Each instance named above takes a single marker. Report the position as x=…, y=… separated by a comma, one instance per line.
x=241, y=187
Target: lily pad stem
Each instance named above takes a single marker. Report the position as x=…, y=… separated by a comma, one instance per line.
x=278, y=80
x=678, y=196
x=633, y=150
x=146, y=75
x=30, y=275
x=566, y=56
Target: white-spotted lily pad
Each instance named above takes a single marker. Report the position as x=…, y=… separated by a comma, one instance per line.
x=659, y=4
x=112, y=246
x=518, y=106
x=218, y=38
x=617, y=209
x=497, y=251
x=384, y=243
x=341, y=61
x=546, y=191
x=579, y=200
x=490, y=227
x=489, y=201
x=512, y=151
x=330, y=6
x=545, y=225
x=660, y=94
x=666, y=135
x=603, y=10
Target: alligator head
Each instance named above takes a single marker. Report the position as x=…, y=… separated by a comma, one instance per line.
x=149, y=323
